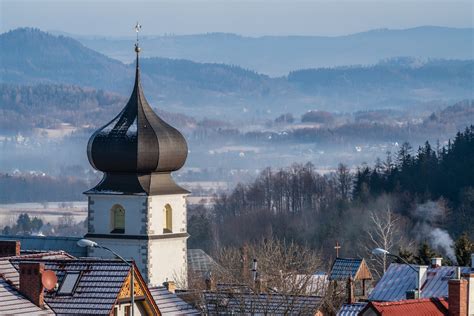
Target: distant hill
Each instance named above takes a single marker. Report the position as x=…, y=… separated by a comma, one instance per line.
x=395, y=78
x=31, y=57
x=23, y=108
x=278, y=55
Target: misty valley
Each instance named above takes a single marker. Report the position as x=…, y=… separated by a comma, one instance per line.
x=306, y=151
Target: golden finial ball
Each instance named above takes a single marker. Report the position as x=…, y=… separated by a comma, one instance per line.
x=137, y=48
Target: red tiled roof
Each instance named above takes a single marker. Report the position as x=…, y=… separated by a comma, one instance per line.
x=420, y=307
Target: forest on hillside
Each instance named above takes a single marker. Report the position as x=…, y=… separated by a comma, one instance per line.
x=31, y=56
x=426, y=197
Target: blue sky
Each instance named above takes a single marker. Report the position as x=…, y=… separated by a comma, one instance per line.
x=251, y=18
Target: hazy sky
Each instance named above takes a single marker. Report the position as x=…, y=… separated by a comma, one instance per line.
x=253, y=18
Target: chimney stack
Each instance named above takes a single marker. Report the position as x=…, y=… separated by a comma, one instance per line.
x=436, y=262
x=261, y=286
x=9, y=248
x=211, y=283
x=31, y=285
x=170, y=286
x=350, y=291
x=457, y=295
x=244, y=258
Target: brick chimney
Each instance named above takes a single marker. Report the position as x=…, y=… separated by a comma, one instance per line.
x=9, y=248
x=30, y=282
x=350, y=291
x=436, y=262
x=244, y=258
x=260, y=286
x=170, y=286
x=211, y=284
x=457, y=295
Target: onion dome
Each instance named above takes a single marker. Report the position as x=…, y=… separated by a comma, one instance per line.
x=137, y=140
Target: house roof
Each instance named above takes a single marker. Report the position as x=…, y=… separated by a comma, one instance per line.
x=50, y=243
x=199, y=261
x=400, y=278
x=264, y=304
x=351, y=309
x=344, y=268
x=425, y=306
x=10, y=272
x=13, y=303
x=97, y=288
x=170, y=304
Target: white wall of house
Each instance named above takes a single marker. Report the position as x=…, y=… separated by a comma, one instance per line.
x=121, y=310
x=470, y=294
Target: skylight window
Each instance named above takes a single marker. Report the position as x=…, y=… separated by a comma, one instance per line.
x=69, y=283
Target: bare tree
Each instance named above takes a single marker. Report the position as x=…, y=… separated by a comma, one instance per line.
x=269, y=276
x=382, y=233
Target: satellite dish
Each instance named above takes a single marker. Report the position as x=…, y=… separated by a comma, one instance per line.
x=49, y=280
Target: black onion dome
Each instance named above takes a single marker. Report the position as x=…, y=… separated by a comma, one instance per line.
x=137, y=140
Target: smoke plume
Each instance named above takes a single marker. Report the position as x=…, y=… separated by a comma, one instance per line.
x=428, y=215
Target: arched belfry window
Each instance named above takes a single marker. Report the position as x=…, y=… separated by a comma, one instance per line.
x=167, y=219
x=118, y=219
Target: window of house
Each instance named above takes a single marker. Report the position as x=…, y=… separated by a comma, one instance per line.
x=69, y=283
x=118, y=219
x=167, y=219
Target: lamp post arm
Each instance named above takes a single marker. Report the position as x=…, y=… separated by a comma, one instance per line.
x=116, y=254
x=132, y=281
x=404, y=261
x=413, y=268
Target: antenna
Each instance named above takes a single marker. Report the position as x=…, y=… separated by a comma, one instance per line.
x=49, y=280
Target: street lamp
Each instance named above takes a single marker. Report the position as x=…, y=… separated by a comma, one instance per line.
x=383, y=252
x=86, y=243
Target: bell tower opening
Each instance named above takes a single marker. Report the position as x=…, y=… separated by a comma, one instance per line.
x=117, y=219
x=167, y=219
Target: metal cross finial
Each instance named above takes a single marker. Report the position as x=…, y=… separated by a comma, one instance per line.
x=337, y=247
x=138, y=27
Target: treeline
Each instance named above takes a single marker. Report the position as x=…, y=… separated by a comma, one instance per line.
x=23, y=108
x=301, y=205
x=429, y=174
x=39, y=188
x=406, y=75
x=367, y=126
x=25, y=225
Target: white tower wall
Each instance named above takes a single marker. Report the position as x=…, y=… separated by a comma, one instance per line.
x=160, y=255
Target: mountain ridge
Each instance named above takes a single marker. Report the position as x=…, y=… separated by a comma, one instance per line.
x=30, y=56
x=278, y=55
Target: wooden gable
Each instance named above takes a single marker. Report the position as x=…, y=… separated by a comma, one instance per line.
x=363, y=273
x=142, y=293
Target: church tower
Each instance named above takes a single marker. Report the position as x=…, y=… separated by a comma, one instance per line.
x=137, y=209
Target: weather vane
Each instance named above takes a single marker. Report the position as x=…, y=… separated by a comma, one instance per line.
x=138, y=27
